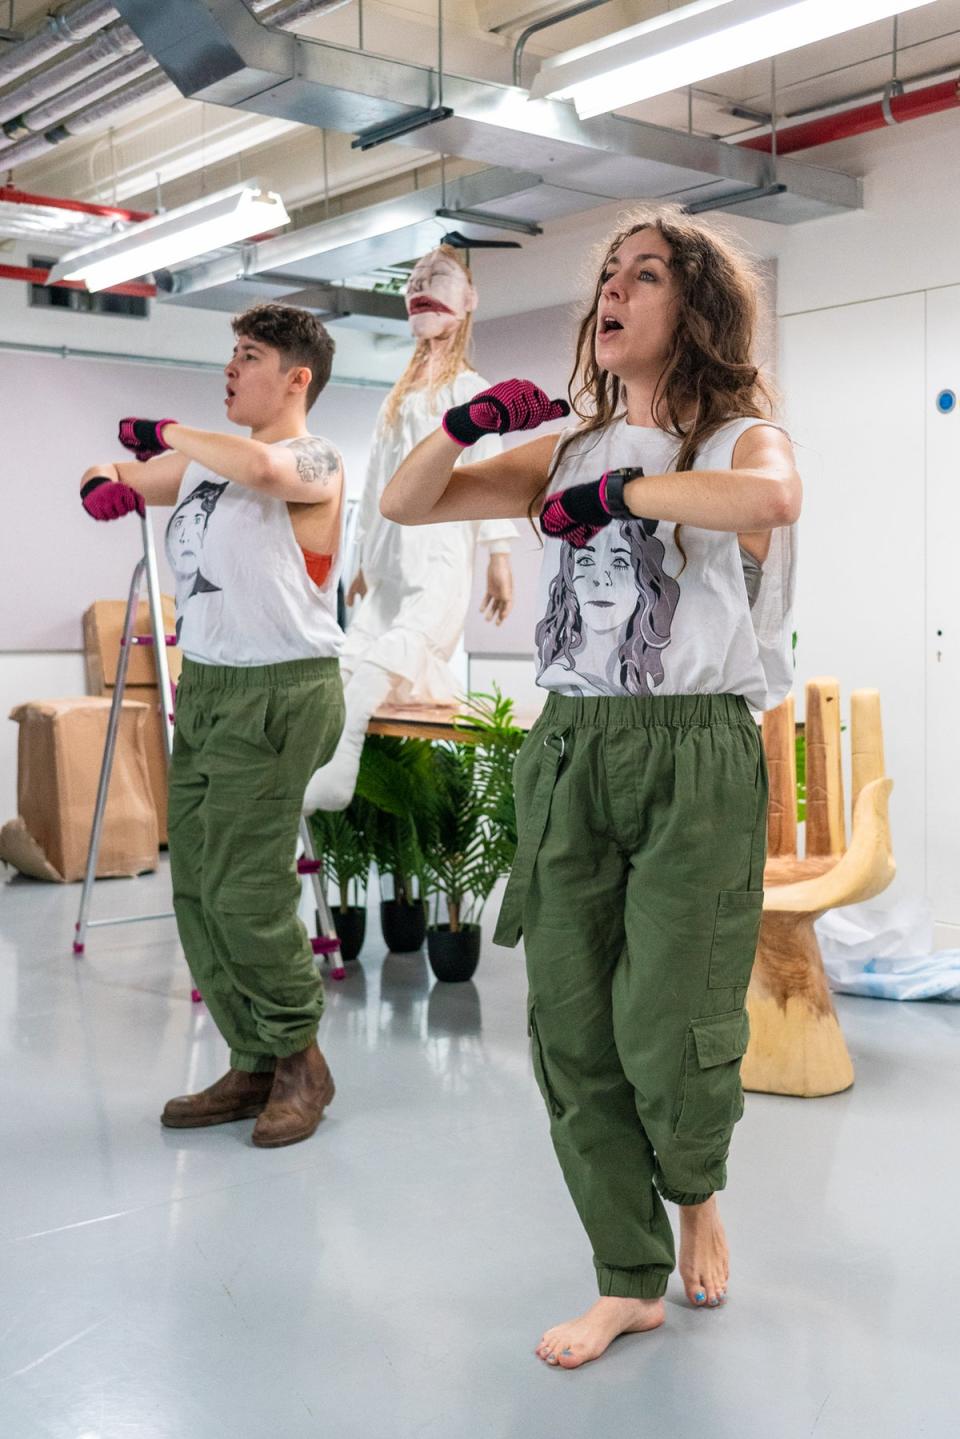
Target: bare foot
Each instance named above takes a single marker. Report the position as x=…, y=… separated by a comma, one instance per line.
x=704, y=1257
x=579, y=1340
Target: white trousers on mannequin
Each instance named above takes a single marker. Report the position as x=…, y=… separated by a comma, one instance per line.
x=397, y=647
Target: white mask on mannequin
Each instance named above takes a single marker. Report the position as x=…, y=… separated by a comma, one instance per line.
x=438, y=296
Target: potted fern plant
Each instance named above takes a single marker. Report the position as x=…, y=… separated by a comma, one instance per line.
x=395, y=784
x=473, y=834
x=341, y=840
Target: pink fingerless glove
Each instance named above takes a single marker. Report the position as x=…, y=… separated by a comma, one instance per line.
x=143, y=437
x=106, y=499
x=511, y=405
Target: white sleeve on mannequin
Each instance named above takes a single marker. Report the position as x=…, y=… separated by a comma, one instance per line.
x=497, y=534
x=366, y=514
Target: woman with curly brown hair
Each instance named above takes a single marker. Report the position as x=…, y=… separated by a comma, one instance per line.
x=641, y=793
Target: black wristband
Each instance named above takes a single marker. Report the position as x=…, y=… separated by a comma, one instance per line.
x=93, y=484
x=613, y=490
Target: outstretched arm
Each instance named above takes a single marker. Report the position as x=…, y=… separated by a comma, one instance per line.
x=307, y=471
x=157, y=481
x=761, y=491
x=428, y=490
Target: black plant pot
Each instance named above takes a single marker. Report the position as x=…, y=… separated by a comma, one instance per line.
x=404, y=925
x=351, y=927
x=454, y=956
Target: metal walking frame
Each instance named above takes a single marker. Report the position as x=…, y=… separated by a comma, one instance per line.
x=326, y=942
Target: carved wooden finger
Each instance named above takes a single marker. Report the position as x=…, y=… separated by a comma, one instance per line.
x=779, y=742
x=864, y=871
x=825, y=830
x=866, y=739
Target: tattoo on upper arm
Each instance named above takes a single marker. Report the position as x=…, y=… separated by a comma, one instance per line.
x=317, y=460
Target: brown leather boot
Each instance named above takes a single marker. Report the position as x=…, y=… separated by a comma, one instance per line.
x=235, y=1095
x=302, y=1089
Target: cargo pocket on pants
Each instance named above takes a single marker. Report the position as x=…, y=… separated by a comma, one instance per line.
x=736, y=931
x=710, y=1100
x=540, y=1069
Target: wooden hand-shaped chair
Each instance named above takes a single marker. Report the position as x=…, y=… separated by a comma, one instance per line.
x=796, y=1044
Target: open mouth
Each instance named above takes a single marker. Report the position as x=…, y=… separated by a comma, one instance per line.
x=608, y=325
x=230, y=394
x=426, y=304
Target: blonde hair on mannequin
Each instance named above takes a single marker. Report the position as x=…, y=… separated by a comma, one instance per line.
x=454, y=359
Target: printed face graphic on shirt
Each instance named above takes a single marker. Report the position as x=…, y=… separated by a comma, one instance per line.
x=610, y=611
x=184, y=543
x=603, y=581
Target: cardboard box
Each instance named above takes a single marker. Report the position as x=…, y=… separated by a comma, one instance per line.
x=102, y=632
x=61, y=746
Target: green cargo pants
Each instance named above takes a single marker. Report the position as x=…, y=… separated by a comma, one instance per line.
x=637, y=886
x=245, y=744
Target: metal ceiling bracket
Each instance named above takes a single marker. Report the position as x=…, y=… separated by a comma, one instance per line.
x=486, y=217
x=380, y=134
x=738, y=197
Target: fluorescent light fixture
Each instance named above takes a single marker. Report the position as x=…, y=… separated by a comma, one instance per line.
x=182, y=234
x=695, y=42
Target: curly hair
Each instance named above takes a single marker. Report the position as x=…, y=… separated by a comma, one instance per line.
x=709, y=376
x=298, y=335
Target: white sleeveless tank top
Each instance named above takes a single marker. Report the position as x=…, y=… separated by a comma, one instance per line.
x=628, y=616
x=243, y=593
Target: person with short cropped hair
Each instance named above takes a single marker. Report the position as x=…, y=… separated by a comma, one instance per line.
x=254, y=544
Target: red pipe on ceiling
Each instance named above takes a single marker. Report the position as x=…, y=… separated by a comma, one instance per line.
x=910, y=106
x=38, y=276
x=12, y=196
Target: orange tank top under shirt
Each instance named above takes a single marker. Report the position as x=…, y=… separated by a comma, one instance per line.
x=318, y=566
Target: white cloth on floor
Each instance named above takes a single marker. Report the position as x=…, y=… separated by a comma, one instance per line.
x=885, y=951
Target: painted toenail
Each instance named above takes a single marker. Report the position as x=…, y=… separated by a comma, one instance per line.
x=714, y=1303
x=699, y=1297
x=567, y=1352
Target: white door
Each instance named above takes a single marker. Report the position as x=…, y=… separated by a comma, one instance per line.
x=853, y=385
x=941, y=635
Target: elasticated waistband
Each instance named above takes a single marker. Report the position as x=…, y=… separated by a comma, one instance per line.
x=642, y=711
x=240, y=677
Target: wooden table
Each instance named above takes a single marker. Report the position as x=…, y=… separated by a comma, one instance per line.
x=430, y=721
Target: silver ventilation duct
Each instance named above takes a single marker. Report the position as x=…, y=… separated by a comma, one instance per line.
x=98, y=99
x=109, y=44
x=54, y=34
x=216, y=50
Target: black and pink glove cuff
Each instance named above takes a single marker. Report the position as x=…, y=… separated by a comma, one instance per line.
x=143, y=437
x=510, y=405
x=106, y=499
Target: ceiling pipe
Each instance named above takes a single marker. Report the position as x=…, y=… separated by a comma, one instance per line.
x=64, y=103
x=54, y=34
x=101, y=100
x=9, y=195
x=112, y=43
x=890, y=110
x=37, y=275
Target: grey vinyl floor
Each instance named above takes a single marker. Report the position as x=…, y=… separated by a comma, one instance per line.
x=389, y=1278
